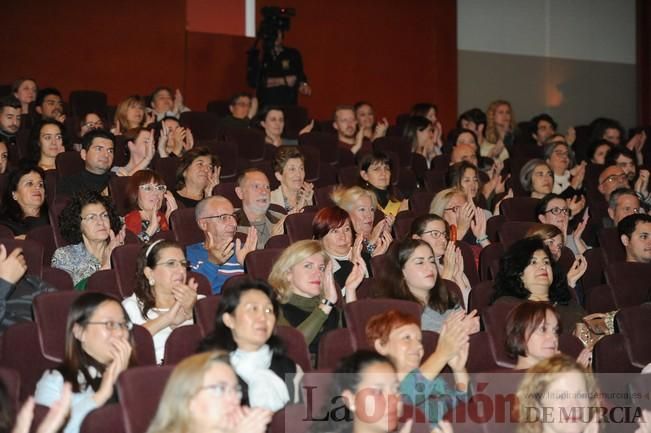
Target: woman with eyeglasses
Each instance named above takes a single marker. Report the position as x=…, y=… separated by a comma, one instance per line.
x=554, y=209
x=46, y=142
x=163, y=298
x=93, y=229
x=436, y=232
x=203, y=395
x=98, y=347
x=468, y=221
x=147, y=192
x=567, y=174
x=245, y=326
x=196, y=176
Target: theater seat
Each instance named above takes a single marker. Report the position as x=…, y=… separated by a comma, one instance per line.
x=295, y=346
x=106, y=419
x=205, y=311
x=333, y=346
x=140, y=390
x=519, y=208
x=258, y=263
x=630, y=283
x=182, y=342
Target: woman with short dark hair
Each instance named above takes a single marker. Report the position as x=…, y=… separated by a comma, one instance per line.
x=196, y=176
x=24, y=206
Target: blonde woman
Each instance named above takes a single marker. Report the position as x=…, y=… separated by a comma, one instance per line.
x=304, y=283
x=130, y=114
x=360, y=204
x=500, y=123
x=454, y=207
x=557, y=387
x=203, y=396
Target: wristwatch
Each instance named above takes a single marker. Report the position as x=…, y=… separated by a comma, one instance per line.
x=324, y=301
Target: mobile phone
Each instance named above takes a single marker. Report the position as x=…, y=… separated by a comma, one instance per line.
x=453, y=233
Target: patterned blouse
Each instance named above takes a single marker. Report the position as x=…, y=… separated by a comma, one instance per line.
x=77, y=261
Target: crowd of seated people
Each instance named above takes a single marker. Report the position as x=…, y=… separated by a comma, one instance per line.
x=408, y=215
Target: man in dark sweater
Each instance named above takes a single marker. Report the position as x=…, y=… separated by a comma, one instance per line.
x=243, y=108
x=10, y=116
x=97, y=153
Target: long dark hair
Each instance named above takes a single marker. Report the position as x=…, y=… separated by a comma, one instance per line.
x=222, y=337
x=394, y=285
x=11, y=210
x=508, y=281
x=346, y=377
x=76, y=360
x=34, y=149
x=148, y=257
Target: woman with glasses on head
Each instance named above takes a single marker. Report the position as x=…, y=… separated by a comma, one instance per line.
x=436, y=232
x=147, y=192
x=163, y=297
x=46, y=142
x=98, y=347
x=554, y=209
x=203, y=395
x=196, y=176
x=93, y=228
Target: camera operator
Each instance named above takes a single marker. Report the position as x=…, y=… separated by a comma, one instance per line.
x=283, y=76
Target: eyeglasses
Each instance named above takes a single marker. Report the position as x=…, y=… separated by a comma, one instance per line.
x=615, y=177
x=558, y=210
x=223, y=218
x=219, y=389
x=114, y=326
x=98, y=124
x=171, y=264
x=435, y=234
x=454, y=209
x=151, y=188
x=91, y=218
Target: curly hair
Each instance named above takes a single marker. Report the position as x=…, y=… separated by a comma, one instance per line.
x=11, y=210
x=70, y=218
x=393, y=284
x=148, y=257
x=508, y=281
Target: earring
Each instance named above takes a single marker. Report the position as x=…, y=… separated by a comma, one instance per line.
x=152, y=282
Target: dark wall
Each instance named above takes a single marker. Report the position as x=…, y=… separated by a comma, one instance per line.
x=390, y=53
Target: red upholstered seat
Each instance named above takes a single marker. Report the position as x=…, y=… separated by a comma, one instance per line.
x=258, y=263
x=140, y=390
x=182, y=342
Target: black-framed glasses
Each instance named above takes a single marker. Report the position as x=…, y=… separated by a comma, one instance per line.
x=558, y=210
x=220, y=389
x=615, y=177
x=435, y=234
x=223, y=218
x=110, y=325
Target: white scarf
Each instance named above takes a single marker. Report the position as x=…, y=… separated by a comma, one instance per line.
x=266, y=389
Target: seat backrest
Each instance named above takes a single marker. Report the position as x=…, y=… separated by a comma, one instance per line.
x=634, y=323
x=105, y=419
x=144, y=346
x=185, y=228
x=69, y=163
x=86, y=101
x=480, y=296
x=322, y=196
x=611, y=245
x=326, y=143
x=610, y=355
x=182, y=342
x=293, y=418
x=512, y=231
x=51, y=314
x=469, y=263
x=334, y=346
x=494, y=318
x=44, y=236
x=166, y=168
x=124, y=260
x=11, y=380
x=140, y=390
x=489, y=260
x=480, y=355
x=227, y=189
x=399, y=145
x=104, y=281
x=54, y=211
x=202, y=124
x=358, y=313
x=250, y=142
x=29, y=360
x=435, y=181
x=205, y=311
x=295, y=345
x=420, y=201
x=298, y=226
x=119, y=197
x=258, y=263
x=519, y=208
x=630, y=282
x=32, y=252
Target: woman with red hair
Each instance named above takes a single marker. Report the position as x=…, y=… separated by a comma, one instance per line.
x=147, y=191
x=397, y=336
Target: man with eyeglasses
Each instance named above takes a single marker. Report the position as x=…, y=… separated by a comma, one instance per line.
x=220, y=256
x=17, y=288
x=635, y=234
x=97, y=153
x=254, y=191
x=49, y=104
x=610, y=179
